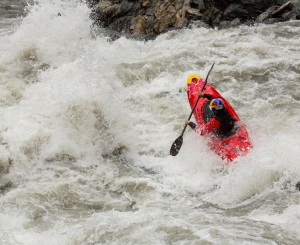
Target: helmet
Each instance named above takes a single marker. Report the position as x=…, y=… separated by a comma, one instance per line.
x=216, y=104
x=190, y=79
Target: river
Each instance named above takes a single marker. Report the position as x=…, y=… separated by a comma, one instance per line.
x=87, y=124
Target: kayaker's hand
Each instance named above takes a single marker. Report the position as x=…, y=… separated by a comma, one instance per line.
x=187, y=122
x=201, y=94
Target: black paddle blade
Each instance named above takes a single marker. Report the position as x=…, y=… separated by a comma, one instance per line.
x=176, y=146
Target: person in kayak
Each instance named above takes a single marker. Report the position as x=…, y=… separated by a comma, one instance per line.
x=221, y=123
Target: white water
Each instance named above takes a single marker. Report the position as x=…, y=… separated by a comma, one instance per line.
x=86, y=127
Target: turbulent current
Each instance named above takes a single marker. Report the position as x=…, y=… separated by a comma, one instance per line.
x=87, y=124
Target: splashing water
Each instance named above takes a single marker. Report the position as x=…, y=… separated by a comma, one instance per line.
x=87, y=124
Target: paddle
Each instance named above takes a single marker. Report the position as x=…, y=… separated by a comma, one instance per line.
x=178, y=142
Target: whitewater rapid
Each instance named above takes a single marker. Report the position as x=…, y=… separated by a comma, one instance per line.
x=87, y=124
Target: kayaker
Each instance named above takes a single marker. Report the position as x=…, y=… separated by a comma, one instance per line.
x=221, y=124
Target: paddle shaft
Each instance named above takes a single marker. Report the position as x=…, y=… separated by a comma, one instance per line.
x=203, y=87
x=178, y=142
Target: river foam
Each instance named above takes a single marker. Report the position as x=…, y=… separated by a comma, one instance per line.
x=87, y=124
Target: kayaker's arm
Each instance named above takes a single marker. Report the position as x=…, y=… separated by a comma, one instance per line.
x=209, y=127
x=207, y=96
x=191, y=124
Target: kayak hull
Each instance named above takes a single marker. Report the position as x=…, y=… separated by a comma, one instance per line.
x=238, y=143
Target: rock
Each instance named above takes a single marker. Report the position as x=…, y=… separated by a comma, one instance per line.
x=197, y=4
x=292, y=15
x=193, y=14
x=296, y=5
x=235, y=11
x=236, y=22
x=266, y=14
x=148, y=18
x=198, y=24
x=170, y=13
x=229, y=24
x=212, y=16
x=256, y=7
x=272, y=21
x=139, y=27
x=282, y=9
x=225, y=24
x=117, y=14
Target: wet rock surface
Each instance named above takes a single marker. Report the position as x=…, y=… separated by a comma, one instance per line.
x=149, y=18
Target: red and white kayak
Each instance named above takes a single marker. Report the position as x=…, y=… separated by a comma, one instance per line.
x=231, y=147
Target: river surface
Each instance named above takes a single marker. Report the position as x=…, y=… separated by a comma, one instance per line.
x=87, y=124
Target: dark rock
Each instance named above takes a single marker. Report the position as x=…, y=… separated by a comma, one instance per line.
x=272, y=20
x=116, y=13
x=280, y=2
x=142, y=18
x=212, y=16
x=198, y=24
x=172, y=29
x=292, y=15
x=236, y=22
x=296, y=5
x=225, y=24
x=266, y=14
x=148, y=37
x=257, y=7
x=197, y=4
x=236, y=11
x=193, y=14
x=281, y=10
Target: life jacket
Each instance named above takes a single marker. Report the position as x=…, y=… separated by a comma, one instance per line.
x=226, y=123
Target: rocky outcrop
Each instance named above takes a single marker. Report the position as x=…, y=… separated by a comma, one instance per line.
x=226, y=13
x=148, y=18
x=170, y=13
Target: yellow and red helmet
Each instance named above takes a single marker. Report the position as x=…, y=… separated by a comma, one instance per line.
x=193, y=78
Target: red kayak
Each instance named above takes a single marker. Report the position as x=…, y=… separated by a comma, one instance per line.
x=238, y=143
